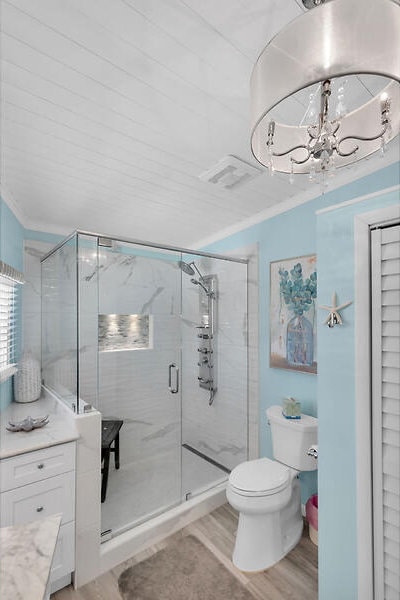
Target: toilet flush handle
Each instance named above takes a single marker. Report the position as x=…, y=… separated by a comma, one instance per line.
x=313, y=451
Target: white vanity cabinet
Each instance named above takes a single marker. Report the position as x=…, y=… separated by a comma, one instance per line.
x=36, y=485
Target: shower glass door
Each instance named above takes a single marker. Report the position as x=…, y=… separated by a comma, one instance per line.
x=139, y=357
x=162, y=338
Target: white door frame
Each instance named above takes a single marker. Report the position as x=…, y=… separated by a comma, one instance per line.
x=362, y=224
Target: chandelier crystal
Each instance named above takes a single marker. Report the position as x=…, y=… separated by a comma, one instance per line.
x=345, y=38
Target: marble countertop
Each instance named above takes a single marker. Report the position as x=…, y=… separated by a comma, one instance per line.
x=26, y=554
x=60, y=429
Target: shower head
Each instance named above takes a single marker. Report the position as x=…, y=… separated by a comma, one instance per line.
x=189, y=270
x=186, y=268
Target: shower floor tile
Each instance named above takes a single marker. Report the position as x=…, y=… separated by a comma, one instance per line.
x=134, y=491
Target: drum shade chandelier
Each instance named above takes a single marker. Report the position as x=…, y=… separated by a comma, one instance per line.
x=336, y=39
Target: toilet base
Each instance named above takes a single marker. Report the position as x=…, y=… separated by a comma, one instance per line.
x=252, y=554
x=264, y=539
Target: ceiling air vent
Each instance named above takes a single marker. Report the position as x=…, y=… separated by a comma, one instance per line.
x=230, y=172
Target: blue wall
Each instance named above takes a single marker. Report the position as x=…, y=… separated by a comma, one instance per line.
x=11, y=252
x=336, y=407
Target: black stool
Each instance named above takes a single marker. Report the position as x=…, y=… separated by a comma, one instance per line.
x=109, y=435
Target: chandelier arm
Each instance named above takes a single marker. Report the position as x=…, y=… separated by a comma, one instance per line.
x=301, y=162
x=300, y=147
x=344, y=154
x=359, y=138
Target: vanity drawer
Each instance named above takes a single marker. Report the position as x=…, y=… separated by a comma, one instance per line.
x=34, y=466
x=55, y=495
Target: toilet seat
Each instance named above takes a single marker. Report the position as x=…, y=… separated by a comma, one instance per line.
x=261, y=477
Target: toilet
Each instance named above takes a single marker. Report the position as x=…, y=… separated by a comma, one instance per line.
x=266, y=493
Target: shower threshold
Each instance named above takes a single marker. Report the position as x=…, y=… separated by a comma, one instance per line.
x=109, y=534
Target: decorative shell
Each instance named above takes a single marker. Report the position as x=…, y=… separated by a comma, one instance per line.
x=28, y=424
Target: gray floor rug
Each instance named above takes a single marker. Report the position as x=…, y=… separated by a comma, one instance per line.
x=185, y=570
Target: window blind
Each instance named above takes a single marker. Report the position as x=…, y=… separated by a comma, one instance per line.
x=385, y=247
x=9, y=280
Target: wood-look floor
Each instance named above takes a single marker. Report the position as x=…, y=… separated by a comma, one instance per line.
x=295, y=577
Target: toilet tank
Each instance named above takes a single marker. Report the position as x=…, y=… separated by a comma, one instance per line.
x=291, y=438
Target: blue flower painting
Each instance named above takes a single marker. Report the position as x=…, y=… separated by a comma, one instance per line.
x=292, y=314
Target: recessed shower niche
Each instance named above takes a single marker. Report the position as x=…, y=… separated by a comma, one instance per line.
x=125, y=332
x=120, y=332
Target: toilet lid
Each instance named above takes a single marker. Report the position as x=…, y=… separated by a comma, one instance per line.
x=261, y=477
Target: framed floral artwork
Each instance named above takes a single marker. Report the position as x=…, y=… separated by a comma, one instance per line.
x=293, y=287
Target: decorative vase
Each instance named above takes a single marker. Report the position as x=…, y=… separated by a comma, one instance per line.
x=299, y=341
x=27, y=384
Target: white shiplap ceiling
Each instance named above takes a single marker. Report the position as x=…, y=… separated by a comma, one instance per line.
x=111, y=109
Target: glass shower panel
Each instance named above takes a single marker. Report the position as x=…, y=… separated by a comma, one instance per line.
x=59, y=323
x=139, y=308
x=214, y=416
x=88, y=320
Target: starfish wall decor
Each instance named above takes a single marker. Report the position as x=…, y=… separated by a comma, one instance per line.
x=334, y=317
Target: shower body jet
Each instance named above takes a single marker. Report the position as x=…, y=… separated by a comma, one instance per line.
x=207, y=329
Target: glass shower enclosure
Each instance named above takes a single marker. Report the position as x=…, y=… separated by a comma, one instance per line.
x=155, y=339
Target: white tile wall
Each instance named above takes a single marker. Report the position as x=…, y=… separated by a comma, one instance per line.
x=219, y=430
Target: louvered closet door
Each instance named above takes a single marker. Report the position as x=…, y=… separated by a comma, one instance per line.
x=385, y=286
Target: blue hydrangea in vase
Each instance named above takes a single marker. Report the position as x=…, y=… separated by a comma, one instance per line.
x=299, y=296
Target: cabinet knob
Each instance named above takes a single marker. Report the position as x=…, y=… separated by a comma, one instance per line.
x=39, y=509
x=40, y=466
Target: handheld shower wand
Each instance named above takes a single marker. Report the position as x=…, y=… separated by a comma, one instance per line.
x=208, y=292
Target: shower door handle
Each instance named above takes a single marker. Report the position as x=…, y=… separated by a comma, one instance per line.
x=173, y=390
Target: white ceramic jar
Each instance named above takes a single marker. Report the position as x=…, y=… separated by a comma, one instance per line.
x=27, y=384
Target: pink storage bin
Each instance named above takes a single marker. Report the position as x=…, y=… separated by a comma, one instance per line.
x=312, y=518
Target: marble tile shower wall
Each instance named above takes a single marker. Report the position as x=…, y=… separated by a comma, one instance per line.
x=57, y=349
x=219, y=430
x=59, y=322
x=133, y=385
